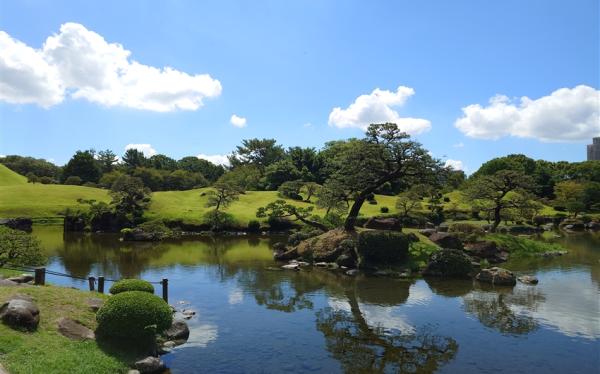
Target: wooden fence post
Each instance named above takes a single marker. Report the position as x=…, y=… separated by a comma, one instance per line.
x=91, y=281
x=40, y=276
x=101, y=284
x=165, y=290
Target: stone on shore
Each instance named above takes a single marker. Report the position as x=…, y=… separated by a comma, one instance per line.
x=178, y=332
x=497, y=276
x=528, y=279
x=74, y=330
x=446, y=240
x=23, y=278
x=149, y=365
x=20, y=314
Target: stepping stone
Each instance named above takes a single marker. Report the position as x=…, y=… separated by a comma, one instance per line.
x=74, y=330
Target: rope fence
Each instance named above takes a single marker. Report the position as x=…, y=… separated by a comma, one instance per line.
x=41, y=272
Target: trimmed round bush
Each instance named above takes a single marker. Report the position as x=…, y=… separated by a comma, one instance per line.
x=134, y=315
x=131, y=285
x=384, y=209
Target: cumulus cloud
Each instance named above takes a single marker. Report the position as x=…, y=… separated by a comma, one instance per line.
x=238, y=121
x=567, y=114
x=81, y=64
x=146, y=149
x=454, y=164
x=215, y=159
x=377, y=107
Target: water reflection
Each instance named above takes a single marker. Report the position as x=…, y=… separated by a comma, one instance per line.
x=332, y=322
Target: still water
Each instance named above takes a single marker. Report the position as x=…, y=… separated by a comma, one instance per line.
x=253, y=319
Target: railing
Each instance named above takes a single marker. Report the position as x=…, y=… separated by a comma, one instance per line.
x=41, y=272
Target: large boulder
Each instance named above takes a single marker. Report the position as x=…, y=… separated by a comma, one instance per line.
x=381, y=223
x=178, y=332
x=74, y=329
x=572, y=225
x=20, y=313
x=449, y=263
x=497, y=276
x=488, y=250
x=446, y=240
x=23, y=278
x=149, y=365
x=23, y=224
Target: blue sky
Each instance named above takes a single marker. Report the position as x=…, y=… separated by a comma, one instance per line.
x=284, y=66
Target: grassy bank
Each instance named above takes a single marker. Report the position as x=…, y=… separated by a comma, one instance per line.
x=46, y=350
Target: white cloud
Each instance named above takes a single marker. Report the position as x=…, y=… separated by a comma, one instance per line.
x=238, y=121
x=567, y=114
x=146, y=149
x=215, y=159
x=454, y=164
x=458, y=145
x=376, y=107
x=79, y=63
x=307, y=124
x=2, y=156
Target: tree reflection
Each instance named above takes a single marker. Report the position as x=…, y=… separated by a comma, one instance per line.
x=499, y=309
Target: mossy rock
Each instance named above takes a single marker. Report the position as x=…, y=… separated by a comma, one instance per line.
x=451, y=263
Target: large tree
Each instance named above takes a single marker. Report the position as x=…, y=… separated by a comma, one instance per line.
x=258, y=152
x=134, y=158
x=385, y=155
x=492, y=192
x=283, y=210
x=107, y=160
x=83, y=165
x=129, y=197
x=223, y=194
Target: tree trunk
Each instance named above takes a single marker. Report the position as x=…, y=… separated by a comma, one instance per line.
x=497, y=219
x=351, y=219
x=317, y=225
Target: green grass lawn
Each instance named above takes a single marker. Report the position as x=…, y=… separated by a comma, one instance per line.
x=46, y=350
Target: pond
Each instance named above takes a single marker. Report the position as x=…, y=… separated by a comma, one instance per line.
x=252, y=318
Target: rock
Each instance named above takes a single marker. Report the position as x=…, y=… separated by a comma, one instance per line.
x=292, y=266
x=7, y=283
x=133, y=371
x=412, y=237
x=3, y=370
x=149, y=365
x=20, y=296
x=321, y=264
x=19, y=313
x=23, y=278
x=74, y=330
x=94, y=303
x=443, y=228
x=346, y=260
x=303, y=263
x=572, y=225
x=188, y=313
x=487, y=250
x=352, y=272
x=179, y=331
x=528, y=279
x=593, y=225
x=446, y=240
x=548, y=227
x=388, y=223
x=497, y=276
x=286, y=256
x=23, y=224
x=427, y=232
x=449, y=263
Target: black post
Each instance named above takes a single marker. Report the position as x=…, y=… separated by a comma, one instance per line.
x=40, y=276
x=91, y=281
x=101, y=284
x=165, y=290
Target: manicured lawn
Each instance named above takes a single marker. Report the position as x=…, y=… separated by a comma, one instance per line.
x=46, y=350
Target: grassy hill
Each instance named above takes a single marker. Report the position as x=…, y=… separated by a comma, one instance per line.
x=19, y=198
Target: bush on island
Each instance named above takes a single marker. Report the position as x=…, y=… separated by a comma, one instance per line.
x=382, y=247
x=135, y=315
x=254, y=226
x=131, y=285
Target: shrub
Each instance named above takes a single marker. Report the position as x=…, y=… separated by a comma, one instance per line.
x=382, y=247
x=19, y=248
x=254, y=226
x=279, y=224
x=46, y=180
x=291, y=190
x=157, y=228
x=135, y=315
x=384, y=209
x=299, y=236
x=125, y=285
x=446, y=199
x=73, y=180
x=90, y=184
x=219, y=220
x=449, y=263
x=466, y=228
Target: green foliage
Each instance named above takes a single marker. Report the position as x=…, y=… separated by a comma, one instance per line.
x=295, y=238
x=157, y=229
x=384, y=209
x=131, y=285
x=107, y=160
x=83, y=165
x=253, y=226
x=223, y=194
x=19, y=248
x=136, y=315
x=129, y=197
x=382, y=247
x=571, y=195
x=449, y=263
x=73, y=180
x=420, y=252
x=280, y=209
x=219, y=220
x=281, y=172
x=257, y=152
x=209, y=170
x=291, y=189
x=26, y=165
x=134, y=158
x=523, y=247
x=466, y=231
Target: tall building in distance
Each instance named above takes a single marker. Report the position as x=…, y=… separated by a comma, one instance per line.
x=593, y=150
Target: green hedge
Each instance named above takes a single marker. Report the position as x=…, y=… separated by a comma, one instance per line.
x=382, y=247
x=131, y=285
x=134, y=315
